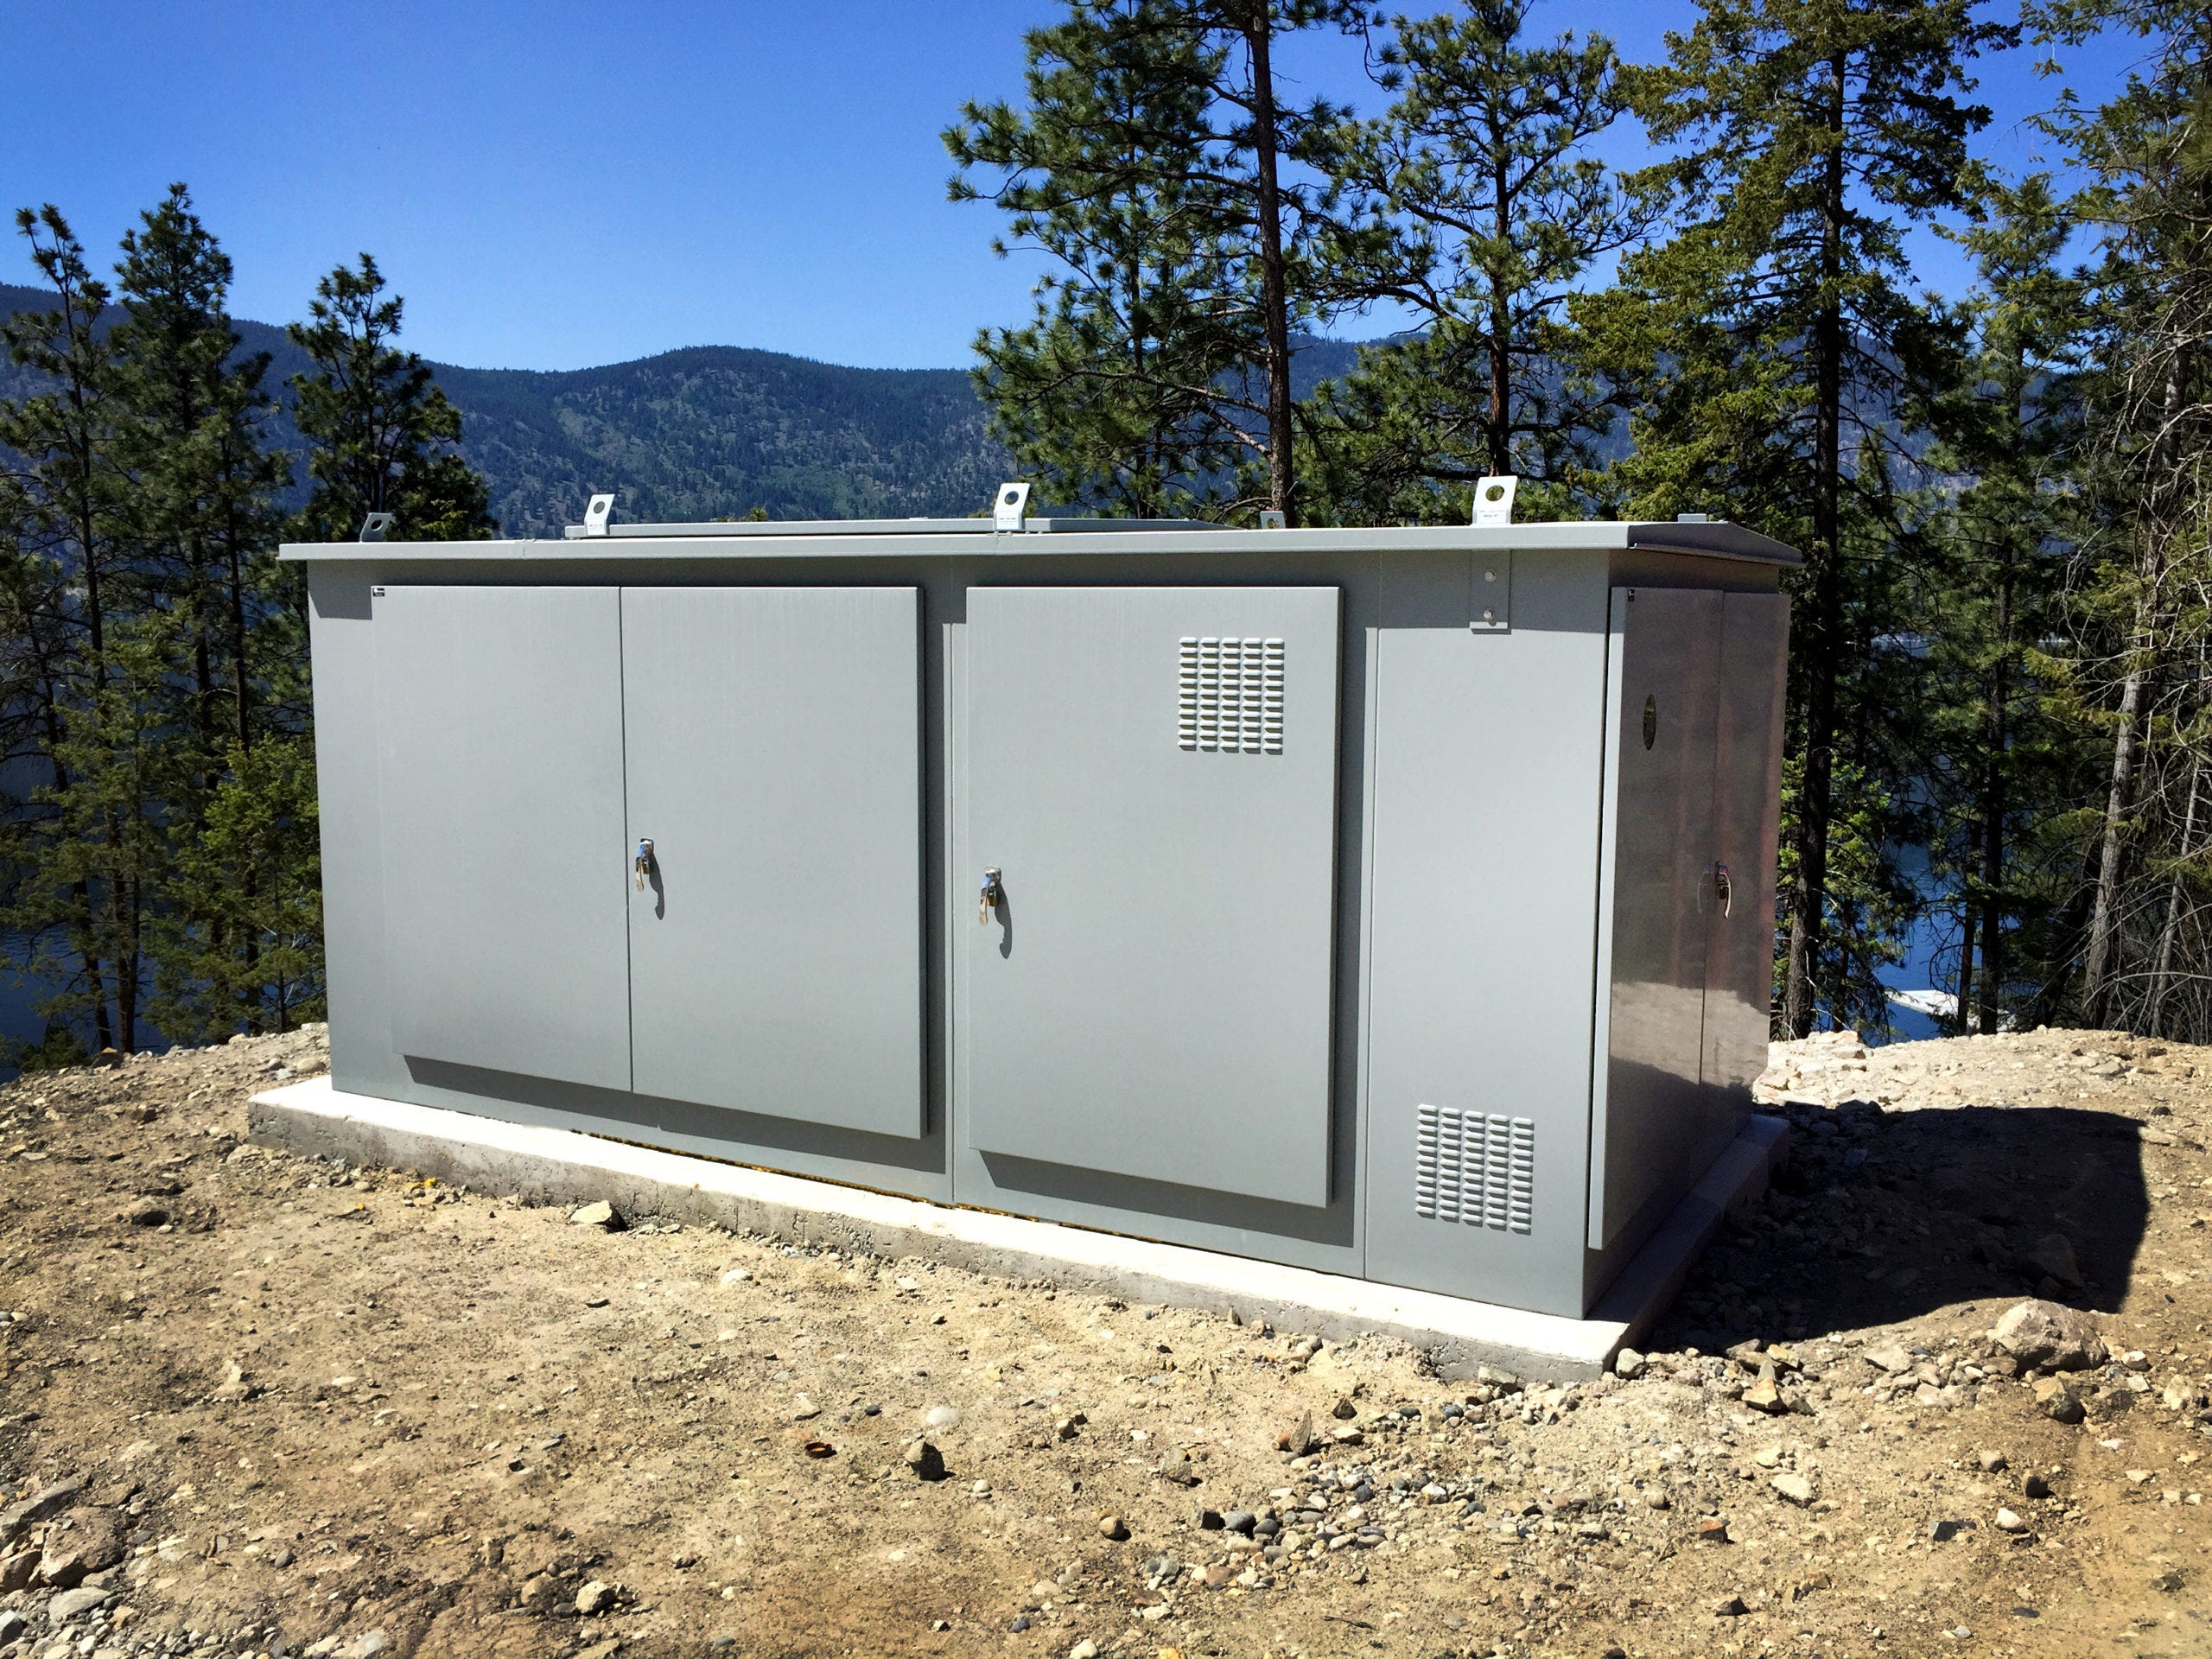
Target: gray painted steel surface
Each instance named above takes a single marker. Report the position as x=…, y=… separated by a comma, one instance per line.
x=1471, y=1009
x=1152, y=770
x=498, y=725
x=772, y=740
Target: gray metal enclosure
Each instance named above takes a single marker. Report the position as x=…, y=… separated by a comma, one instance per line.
x=1396, y=903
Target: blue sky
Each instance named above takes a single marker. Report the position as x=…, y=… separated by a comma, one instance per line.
x=553, y=185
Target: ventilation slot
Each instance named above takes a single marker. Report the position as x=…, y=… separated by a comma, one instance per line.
x=1231, y=699
x=1475, y=1168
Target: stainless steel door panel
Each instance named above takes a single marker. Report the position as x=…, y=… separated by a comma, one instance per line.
x=1747, y=803
x=1656, y=892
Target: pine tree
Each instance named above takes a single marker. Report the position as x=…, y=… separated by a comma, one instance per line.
x=380, y=434
x=1157, y=163
x=1484, y=212
x=2011, y=430
x=74, y=885
x=1774, y=331
x=2144, y=616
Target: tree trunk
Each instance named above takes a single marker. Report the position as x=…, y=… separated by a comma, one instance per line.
x=2097, y=971
x=1993, y=799
x=1273, y=304
x=1818, y=646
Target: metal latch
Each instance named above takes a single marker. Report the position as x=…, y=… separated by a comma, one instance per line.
x=992, y=893
x=643, y=863
x=1724, y=889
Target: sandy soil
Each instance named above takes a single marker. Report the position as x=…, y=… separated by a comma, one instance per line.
x=346, y=1412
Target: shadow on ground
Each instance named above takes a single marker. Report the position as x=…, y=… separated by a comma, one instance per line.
x=1884, y=1216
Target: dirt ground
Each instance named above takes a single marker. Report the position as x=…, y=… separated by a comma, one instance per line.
x=329, y=1411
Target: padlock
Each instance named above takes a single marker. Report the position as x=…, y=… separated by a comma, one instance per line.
x=992, y=893
x=644, y=864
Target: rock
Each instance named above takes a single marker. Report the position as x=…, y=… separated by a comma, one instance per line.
x=1298, y=1439
x=925, y=1460
x=1729, y=1607
x=1766, y=1393
x=802, y=1408
x=236, y=1387
x=1111, y=1529
x=2034, y=1486
x=62, y=1565
x=12, y=1625
x=1343, y=1411
x=2054, y=1254
x=2045, y=1335
x=2008, y=1521
x=540, y=1594
x=1240, y=1521
x=19, y=1518
x=148, y=1212
x=368, y=1644
x=1209, y=1520
x=943, y=1417
x=595, y=1597
x=1629, y=1364
x=281, y=1556
x=1796, y=1488
x=1991, y=1462
x=1713, y=1530
x=2055, y=1399
x=1891, y=1357
x=1085, y=1649
x=1942, y=1532
x=70, y=1603
x=602, y=1214
x=2168, y=1581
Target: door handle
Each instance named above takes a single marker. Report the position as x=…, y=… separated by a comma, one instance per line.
x=642, y=864
x=1724, y=888
x=991, y=895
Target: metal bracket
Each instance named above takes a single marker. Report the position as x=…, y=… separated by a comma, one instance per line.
x=597, y=512
x=1272, y=519
x=1494, y=499
x=1008, y=506
x=374, y=526
x=1490, y=599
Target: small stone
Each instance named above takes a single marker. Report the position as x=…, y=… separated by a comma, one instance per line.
x=602, y=1214
x=1658, y=1498
x=70, y=1603
x=2008, y=1521
x=925, y=1460
x=281, y=1556
x=802, y=1408
x=19, y=1518
x=147, y=1212
x=1942, y=1532
x=1891, y=1357
x=1239, y=1521
x=1085, y=1649
x=1209, y=1520
x=2168, y=1581
x=1343, y=1411
x=12, y=1625
x=594, y=1301
x=1729, y=1607
x=1111, y=1529
x=595, y=1597
x=2034, y=1486
x=2055, y=1398
x=1991, y=1462
x=1713, y=1530
x=368, y=1645
x=1795, y=1488
x=1629, y=1364
x=943, y=1417
x=2045, y=1335
x=1298, y=1439
x=1766, y=1393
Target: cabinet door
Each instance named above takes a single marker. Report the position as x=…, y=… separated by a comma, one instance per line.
x=1747, y=804
x=1153, y=772
x=774, y=762
x=499, y=739
x=1655, y=896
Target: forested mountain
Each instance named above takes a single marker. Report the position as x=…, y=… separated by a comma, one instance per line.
x=708, y=432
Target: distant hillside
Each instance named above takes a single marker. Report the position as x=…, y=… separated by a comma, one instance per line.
x=708, y=432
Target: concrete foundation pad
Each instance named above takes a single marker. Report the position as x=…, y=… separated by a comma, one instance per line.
x=562, y=1166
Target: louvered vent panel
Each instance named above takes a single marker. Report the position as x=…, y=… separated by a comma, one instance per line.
x=1229, y=700
x=1476, y=1167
